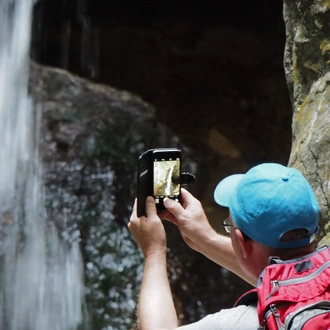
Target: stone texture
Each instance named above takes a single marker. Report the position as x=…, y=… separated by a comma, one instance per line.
x=92, y=136
x=307, y=67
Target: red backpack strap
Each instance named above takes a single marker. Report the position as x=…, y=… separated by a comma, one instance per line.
x=248, y=298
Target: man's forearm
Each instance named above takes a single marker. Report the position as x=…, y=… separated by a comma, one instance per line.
x=219, y=249
x=156, y=309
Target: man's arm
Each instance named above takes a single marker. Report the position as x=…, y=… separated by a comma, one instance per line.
x=200, y=236
x=155, y=308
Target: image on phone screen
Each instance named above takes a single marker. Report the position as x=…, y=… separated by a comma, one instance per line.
x=166, y=177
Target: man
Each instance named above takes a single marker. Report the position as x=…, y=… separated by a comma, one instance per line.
x=272, y=211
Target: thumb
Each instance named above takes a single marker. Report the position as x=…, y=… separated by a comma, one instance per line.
x=150, y=206
x=174, y=207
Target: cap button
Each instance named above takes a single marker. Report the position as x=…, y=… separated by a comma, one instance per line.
x=285, y=178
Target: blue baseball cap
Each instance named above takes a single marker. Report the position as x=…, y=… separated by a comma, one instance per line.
x=268, y=201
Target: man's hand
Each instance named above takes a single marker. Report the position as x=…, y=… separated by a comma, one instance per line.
x=148, y=230
x=190, y=219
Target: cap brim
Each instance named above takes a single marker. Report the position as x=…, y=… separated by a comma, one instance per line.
x=225, y=188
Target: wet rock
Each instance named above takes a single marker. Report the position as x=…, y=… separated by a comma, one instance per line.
x=92, y=136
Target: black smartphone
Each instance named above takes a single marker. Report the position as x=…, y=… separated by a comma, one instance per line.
x=158, y=175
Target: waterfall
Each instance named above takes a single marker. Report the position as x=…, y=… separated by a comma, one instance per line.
x=168, y=188
x=41, y=275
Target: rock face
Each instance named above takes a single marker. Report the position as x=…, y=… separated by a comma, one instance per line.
x=92, y=136
x=307, y=67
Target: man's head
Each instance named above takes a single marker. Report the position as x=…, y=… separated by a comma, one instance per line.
x=269, y=201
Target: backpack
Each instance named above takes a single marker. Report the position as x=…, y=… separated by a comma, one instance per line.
x=293, y=294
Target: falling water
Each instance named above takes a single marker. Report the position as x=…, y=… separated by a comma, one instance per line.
x=168, y=188
x=41, y=275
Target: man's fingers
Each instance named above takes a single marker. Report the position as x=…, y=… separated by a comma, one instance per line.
x=133, y=216
x=174, y=207
x=134, y=206
x=150, y=206
x=187, y=197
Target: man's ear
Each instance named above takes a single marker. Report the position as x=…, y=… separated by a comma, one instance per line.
x=246, y=245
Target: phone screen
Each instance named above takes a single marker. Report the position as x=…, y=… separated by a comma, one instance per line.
x=166, y=178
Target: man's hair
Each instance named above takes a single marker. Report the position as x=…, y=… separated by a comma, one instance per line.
x=294, y=234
